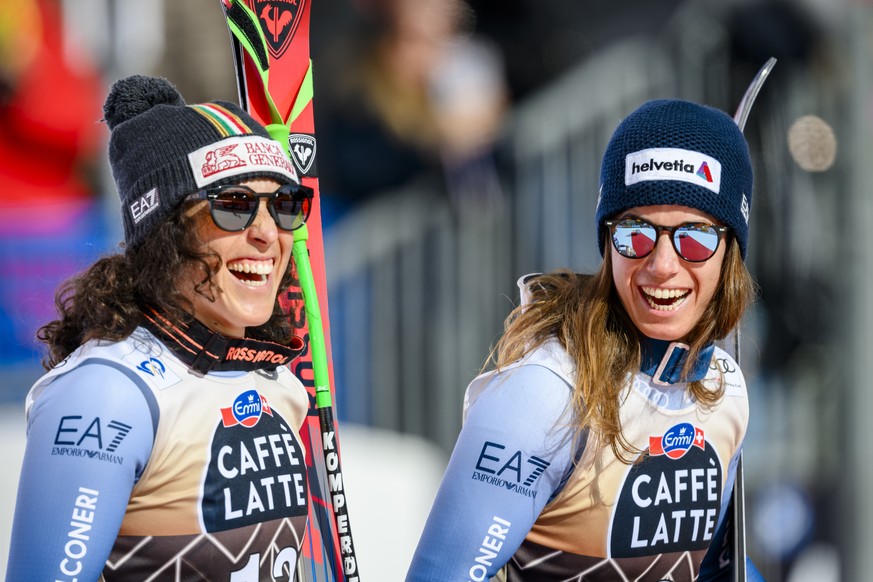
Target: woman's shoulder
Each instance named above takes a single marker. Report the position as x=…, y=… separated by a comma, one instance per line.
x=138, y=360
x=546, y=369
x=96, y=375
x=552, y=356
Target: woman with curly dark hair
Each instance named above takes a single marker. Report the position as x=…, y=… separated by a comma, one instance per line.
x=604, y=444
x=164, y=436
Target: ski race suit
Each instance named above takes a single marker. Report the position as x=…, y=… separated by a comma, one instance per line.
x=512, y=502
x=138, y=468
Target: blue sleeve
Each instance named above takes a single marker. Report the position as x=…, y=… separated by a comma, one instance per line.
x=511, y=457
x=717, y=563
x=89, y=437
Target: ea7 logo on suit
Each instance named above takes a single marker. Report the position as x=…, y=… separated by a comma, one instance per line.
x=144, y=205
x=511, y=470
x=94, y=439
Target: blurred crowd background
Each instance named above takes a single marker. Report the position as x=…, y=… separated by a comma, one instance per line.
x=458, y=148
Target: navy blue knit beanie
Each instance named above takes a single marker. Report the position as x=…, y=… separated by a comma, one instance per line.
x=161, y=150
x=678, y=152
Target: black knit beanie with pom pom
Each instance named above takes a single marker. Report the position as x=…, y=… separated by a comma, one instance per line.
x=161, y=150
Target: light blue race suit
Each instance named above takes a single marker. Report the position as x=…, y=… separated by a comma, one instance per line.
x=511, y=502
x=138, y=468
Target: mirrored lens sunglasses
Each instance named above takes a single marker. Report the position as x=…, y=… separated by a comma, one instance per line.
x=694, y=242
x=233, y=207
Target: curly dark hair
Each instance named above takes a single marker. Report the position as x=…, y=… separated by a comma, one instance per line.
x=107, y=300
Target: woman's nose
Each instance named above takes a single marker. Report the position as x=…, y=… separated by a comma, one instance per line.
x=663, y=260
x=263, y=227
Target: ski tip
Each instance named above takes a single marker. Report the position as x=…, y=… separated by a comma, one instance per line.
x=745, y=106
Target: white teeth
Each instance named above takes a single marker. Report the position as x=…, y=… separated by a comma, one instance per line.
x=258, y=268
x=659, y=293
x=671, y=307
x=652, y=293
x=258, y=283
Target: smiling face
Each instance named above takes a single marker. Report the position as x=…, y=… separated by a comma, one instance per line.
x=253, y=262
x=664, y=295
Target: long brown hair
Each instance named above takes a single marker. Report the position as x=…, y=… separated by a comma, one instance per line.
x=107, y=300
x=585, y=314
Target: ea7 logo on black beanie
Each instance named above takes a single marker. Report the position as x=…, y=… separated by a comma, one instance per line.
x=144, y=205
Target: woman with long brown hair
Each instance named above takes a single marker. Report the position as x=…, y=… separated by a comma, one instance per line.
x=163, y=439
x=603, y=445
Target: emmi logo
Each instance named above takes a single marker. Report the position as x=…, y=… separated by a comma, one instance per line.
x=677, y=441
x=510, y=470
x=246, y=410
x=145, y=205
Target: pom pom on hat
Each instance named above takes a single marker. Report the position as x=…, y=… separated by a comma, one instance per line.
x=134, y=95
x=676, y=152
x=161, y=150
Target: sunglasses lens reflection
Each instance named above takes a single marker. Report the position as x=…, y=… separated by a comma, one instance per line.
x=291, y=210
x=695, y=243
x=635, y=239
x=233, y=208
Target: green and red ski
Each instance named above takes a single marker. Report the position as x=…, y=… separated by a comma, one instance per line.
x=270, y=40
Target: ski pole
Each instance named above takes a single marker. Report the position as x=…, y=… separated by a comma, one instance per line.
x=739, y=502
x=244, y=26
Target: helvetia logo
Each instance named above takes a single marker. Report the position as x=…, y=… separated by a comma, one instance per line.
x=677, y=441
x=246, y=410
x=279, y=21
x=673, y=164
